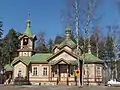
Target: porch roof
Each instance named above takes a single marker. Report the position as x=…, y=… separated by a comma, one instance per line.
x=72, y=62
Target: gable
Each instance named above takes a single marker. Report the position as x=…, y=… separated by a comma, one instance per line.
x=24, y=59
x=23, y=36
x=59, y=54
x=19, y=67
x=62, y=62
x=67, y=48
x=64, y=55
x=67, y=42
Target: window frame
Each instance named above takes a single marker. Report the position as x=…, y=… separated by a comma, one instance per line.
x=35, y=71
x=98, y=71
x=45, y=71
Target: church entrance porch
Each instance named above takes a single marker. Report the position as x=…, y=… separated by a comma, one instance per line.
x=63, y=72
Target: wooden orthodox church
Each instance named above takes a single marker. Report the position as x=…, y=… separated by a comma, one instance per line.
x=53, y=68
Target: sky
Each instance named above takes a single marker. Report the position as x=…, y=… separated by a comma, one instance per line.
x=46, y=15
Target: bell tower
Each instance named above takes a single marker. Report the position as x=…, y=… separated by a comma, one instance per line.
x=27, y=40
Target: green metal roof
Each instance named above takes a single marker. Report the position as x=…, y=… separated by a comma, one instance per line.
x=91, y=58
x=67, y=42
x=37, y=58
x=28, y=31
x=40, y=57
x=8, y=67
x=24, y=59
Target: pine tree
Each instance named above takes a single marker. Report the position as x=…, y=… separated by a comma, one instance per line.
x=9, y=44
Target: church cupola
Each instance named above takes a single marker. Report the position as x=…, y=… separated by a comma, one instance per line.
x=28, y=31
x=27, y=41
x=68, y=32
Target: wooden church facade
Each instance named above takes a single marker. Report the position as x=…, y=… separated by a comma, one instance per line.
x=53, y=68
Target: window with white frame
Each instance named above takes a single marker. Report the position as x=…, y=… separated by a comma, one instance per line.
x=35, y=71
x=44, y=71
x=98, y=72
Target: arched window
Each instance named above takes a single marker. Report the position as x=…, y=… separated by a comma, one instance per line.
x=25, y=41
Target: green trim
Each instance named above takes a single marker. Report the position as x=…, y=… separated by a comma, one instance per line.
x=67, y=42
